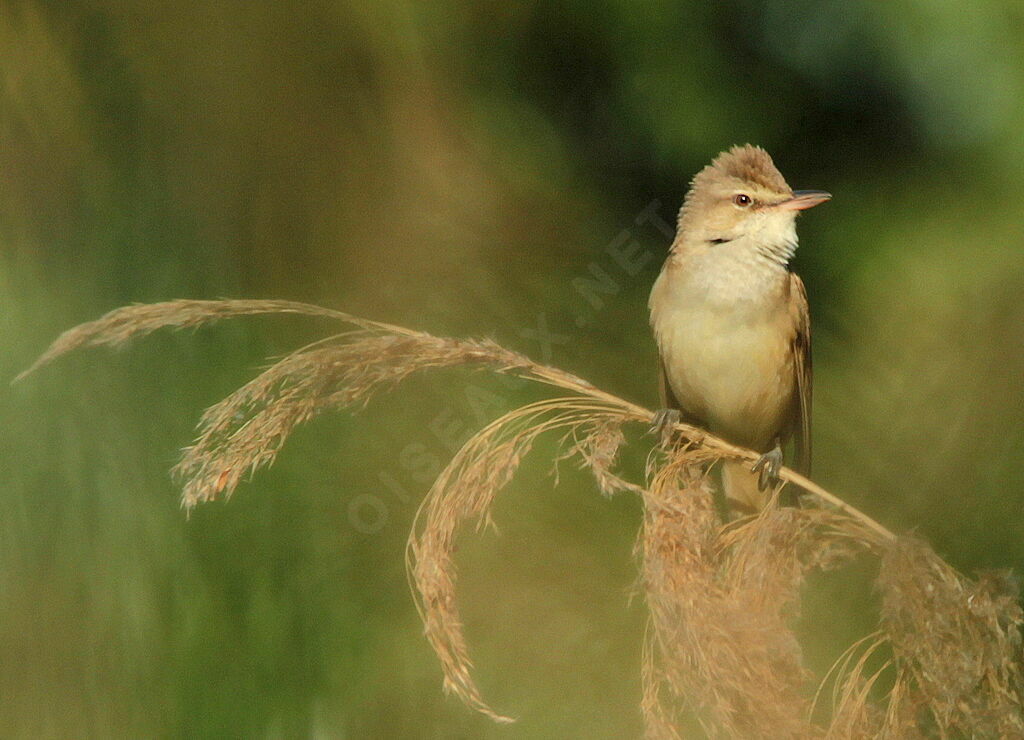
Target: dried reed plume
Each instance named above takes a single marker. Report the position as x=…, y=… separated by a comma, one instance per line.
x=719, y=649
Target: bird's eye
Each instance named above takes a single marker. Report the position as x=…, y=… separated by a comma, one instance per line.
x=742, y=200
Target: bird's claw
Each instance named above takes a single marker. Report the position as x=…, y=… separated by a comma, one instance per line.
x=663, y=424
x=768, y=467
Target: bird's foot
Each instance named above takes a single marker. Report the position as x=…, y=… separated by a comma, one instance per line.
x=768, y=466
x=663, y=425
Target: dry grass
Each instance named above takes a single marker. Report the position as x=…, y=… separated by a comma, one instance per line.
x=945, y=661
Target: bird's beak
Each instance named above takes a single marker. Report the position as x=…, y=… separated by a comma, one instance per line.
x=804, y=199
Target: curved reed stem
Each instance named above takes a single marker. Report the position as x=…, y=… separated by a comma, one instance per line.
x=720, y=596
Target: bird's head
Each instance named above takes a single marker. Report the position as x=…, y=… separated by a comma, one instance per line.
x=742, y=197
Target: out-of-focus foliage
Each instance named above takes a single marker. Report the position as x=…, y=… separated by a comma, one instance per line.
x=462, y=167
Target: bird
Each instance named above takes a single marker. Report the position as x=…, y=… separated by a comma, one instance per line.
x=732, y=322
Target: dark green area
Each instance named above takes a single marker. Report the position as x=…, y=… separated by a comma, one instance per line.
x=459, y=167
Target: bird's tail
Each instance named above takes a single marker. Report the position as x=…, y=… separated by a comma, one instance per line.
x=740, y=487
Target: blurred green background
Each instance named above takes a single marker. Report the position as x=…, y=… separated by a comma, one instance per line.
x=464, y=167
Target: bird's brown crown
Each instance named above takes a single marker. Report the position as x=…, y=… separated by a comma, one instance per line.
x=750, y=165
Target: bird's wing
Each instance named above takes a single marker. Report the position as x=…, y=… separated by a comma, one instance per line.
x=802, y=368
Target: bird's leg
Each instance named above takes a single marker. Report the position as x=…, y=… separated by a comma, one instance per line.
x=663, y=424
x=768, y=466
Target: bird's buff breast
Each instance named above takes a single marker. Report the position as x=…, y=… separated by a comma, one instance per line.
x=728, y=359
